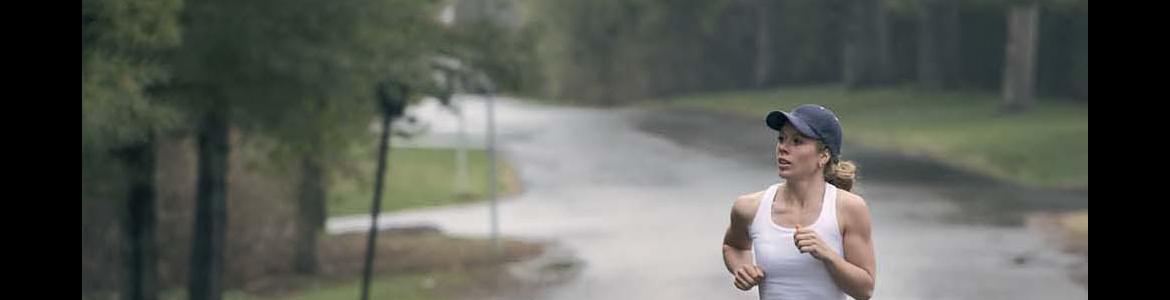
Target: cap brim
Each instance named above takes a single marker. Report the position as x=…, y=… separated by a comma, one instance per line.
x=777, y=119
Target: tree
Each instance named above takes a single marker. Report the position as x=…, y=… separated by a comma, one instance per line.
x=300, y=71
x=938, y=43
x=1019, y=73
x=122, y=46
x=765, y=50
x=866, y=60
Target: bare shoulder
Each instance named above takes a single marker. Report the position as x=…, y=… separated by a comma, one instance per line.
x=745, y=205
x=850, y=202
x=853, y=208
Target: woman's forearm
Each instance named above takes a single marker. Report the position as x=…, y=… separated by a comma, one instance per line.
x=853, y=279
x=735, y=257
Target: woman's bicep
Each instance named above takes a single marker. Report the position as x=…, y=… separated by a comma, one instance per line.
x=737, y=239
x=858, y=241
x=737, y=231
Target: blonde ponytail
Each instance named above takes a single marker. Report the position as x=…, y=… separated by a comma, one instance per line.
x=841, y=174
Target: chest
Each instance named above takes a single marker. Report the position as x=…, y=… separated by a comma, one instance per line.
x=790, y=215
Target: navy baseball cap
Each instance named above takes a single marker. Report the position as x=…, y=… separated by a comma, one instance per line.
x=813, y=121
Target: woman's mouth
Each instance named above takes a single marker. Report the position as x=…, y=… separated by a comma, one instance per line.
x=783, y=162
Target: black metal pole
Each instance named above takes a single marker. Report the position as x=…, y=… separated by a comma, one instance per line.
x=392, y=101
x=383, y=149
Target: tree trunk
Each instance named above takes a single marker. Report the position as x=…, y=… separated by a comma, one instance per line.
x=865, y=41
x=139, y=252
x=764, y=49
x=938, y=44
x=1019, y=74
x=881, y=29
x=310, y=213
x=206, y=270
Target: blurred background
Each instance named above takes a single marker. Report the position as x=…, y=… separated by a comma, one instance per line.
x=559, y=149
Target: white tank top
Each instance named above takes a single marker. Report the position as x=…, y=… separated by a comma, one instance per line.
x=789, y=274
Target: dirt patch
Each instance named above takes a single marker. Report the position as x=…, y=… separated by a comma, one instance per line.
x=1070, y=233
x=404, y=251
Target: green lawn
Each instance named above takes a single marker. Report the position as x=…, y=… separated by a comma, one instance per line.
x=416, y=177
x=1047, y=146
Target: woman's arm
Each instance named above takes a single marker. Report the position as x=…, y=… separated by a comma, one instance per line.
x=856, y=272
x=737, y=246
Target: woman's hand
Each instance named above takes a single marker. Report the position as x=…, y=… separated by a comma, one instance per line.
x=747, y=276
x=807, y=241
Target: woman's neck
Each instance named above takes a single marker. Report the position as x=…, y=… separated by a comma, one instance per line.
x=804, y=191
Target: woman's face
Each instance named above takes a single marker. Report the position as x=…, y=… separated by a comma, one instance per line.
x=798, y=156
